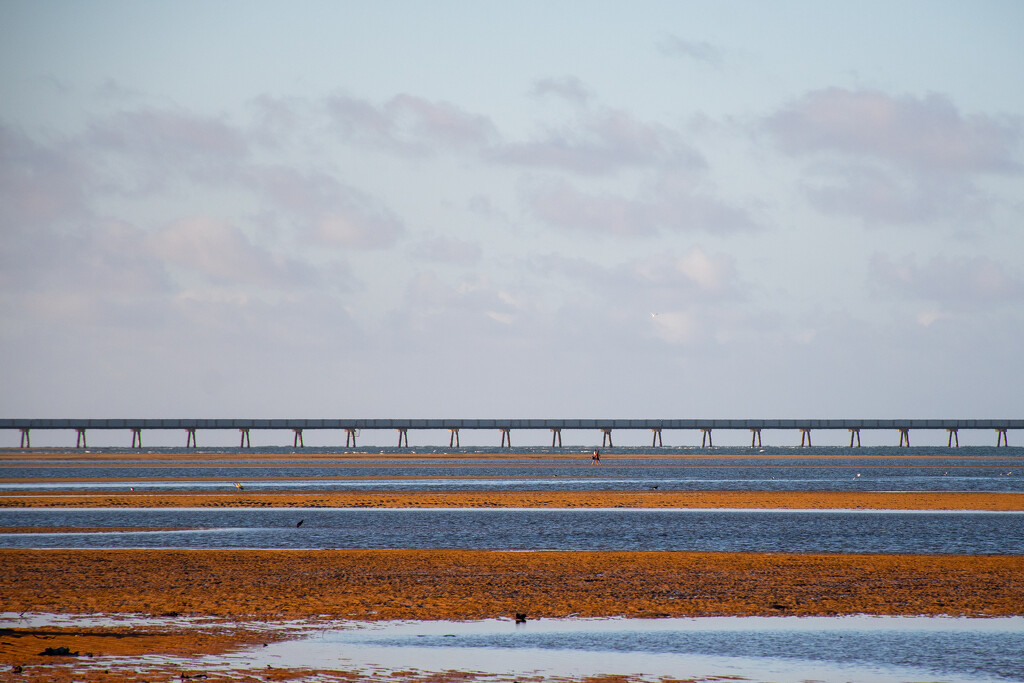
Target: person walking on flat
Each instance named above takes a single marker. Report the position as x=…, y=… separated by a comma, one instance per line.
x=595, y=459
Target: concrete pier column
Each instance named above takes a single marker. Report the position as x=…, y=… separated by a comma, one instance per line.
x=506, y=438
x=953, y=437
x=26, y=438
x=854, y=433
x=755, y=435
x=556, y=434
x=297, y=440
x=1001, y=437
x=656, y=438
x=190, y=438
x=904, y=437
x=705, y=438
x=453, y=437
x=136, y=438
x=80, y=438
x=243, y=438
x=350, y=438
x=403, y=435
x=606, y=438
x=805, y=435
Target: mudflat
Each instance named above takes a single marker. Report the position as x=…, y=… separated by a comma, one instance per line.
x=475, y=584
x=852, y=500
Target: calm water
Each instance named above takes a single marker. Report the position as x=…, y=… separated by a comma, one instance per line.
x=521, y=529
x=985, y=470
x=765, y=648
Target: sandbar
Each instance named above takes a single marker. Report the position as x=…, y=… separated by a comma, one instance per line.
x=823, y=500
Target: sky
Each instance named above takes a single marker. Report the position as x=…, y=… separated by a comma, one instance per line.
x=511, y=210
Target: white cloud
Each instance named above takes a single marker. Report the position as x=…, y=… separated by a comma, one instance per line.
x=924, y=134
x=40, y=183
x=601, y=142
x=327, y=210
x=697, y=50
x=892, y=159
x=156, y=144
x=568, y=88
x=409, y=125
x=441, y=249
x=221, y=253
x=974, y=282
x=663, y=206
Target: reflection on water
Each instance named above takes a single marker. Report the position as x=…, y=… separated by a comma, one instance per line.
x=799, y=531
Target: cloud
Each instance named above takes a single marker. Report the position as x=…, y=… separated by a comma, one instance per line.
x=891, y=159
x=694, y=270
x=599, y=143
x=883, y=195
x=40, y=183
x=222, y=254
x=441, y=249
x=964, y=281
x=159, y=143
x=926, y=134
x=696, y=50
x=327, y=210
x=409, y=125
x=568, y=88
x=667, y=205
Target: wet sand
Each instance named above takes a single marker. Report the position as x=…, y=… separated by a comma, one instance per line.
x=253, y=586
x=470, y=584
x=867, y=500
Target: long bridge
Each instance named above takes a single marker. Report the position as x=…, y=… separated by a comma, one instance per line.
x=353, y=427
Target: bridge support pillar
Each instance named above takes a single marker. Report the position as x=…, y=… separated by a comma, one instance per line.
x=243, y=438
x=805, y=436
x=656, y=438
x=854, y=433
x=350, y=438
x=953, y=437
x=136, y=438
x=506, y=438
x=403, y=435
x=26, y=438
x=705, y=438
x=606, y=438
x=80, y=438
x=904, y=437
x=755, y=435
x=453, y=437
x=190, y=438
x=297, y=441
x=556, y=434
x=1001, y=438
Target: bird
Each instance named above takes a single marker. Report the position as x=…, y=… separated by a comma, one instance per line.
x=300, y=523
x=239, y=486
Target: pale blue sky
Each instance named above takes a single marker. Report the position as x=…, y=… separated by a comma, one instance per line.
x=578, y=209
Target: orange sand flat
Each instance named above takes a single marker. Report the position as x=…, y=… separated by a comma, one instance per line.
x=472, y=584
x=869, y=500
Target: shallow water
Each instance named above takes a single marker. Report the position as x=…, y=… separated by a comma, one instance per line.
x=766, y=648
x=985, y=472
x=775, y=531
x=781, y=649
